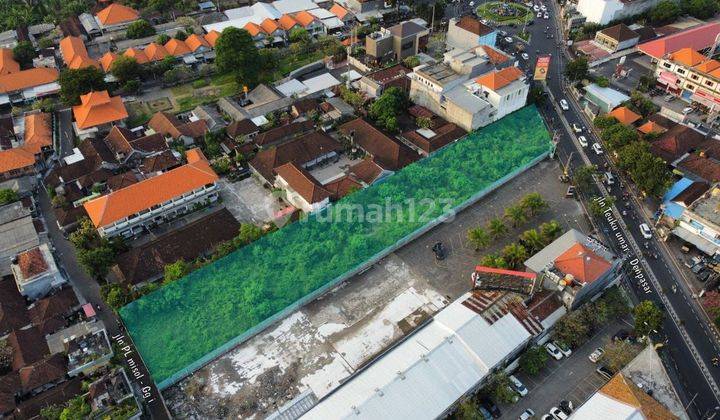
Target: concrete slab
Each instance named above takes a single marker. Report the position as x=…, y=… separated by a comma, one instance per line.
x=248, y=201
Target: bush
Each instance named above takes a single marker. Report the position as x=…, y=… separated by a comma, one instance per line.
x=140, y=29
x=200, y=83
x=533, y=360
x=8, y=196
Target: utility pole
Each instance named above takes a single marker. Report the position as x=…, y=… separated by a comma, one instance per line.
x=432, y=19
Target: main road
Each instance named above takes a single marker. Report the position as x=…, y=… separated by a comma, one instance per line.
x=690, y=341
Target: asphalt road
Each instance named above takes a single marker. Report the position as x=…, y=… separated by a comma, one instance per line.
x=690, y=341
x=65, y=131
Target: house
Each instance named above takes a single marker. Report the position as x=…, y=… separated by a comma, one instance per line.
x=397, y=42
x=214, y=120
x=304, y=107
x=177, y=48
x=55, y=396
x=137, y=54
x=302, y=190
x=439, y=134
x=90, y=25
x=374, y=84
x=676, y=143
x=17, y=234
x=342, y=13
x=605, y=98
x=696, y=38
x=387, y=152
x=146, y=263
x=127, y=145
x=86, y=345
x=74, y=54
x=26, y=158
x=605, y=11
x=13, y=311
x=116, y=16
x=107, y=60
x=287, y=23
x=651, y=127
x=52, y=313
x=625, y=115
x=578, y=266
x=7, y=62
x=25, y=86
x=468, y=32
x=283, y=133
x=616, y=38
x=310, y=23
x=113, y=390
x=257, y=33
x=155, y=52
x=36, y=273
x=139, y=207
x=98, y=111
x=368, y=172
x=172, y=128
x=242, y=129
x=691, y=76
x=694, y=219
x=506, y=90
x=274, y=34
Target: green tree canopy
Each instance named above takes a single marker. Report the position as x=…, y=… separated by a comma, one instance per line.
x=162, y=39
x=605, y=121
x=701, y=9
x=176, y=270
x=618, y=136
x=533, y=360
x=577, y=69
x=667, y=11
x=478, y=237
x=23, y=53
x=181, y=35
x=583, y=177
x=126, y=69
x=140, y=29
x=648, y=318
x=236, y=52
x=74, y=83
x=388, y=106
x=649, y=172
x=299, y=35
x=8, y=195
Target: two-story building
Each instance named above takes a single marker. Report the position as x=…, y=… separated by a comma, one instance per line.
x=691, y=76
x=36, y=273
x=468, y=32
x=29, y=156
x=135, y=209
x=616, y=38
x=25, y=86
x=605, y=11
x=98, y=111
x=397, y=42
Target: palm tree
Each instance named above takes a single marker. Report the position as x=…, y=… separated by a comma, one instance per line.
x=533, y=203
x=497, y=228
x=532, y=240
x=516, y=215
x=550, y=231
x=478, y=237
x=514, y=254
x=494, y=261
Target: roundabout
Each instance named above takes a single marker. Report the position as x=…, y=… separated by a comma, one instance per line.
x=504, y=13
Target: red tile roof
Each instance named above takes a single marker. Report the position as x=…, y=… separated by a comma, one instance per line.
x=302, y=182
x=107, y=60
x=195, y=42
x=43, y=372
x=177, y=48
x=473, y=25
x=117, y=13
x=74, y=53
x=688, y=57
x=625, y=115
x=287, y=22
x=651, y=127
x=212, y=37
x=301, y=150
x=32, y=263
x=675, y=142
x=155, y=52
x=338, y=11
x=97, y=108
x=7, y=62
x=495, y=56
x=38, y=135
x=582, y=263
x=367, y=171
x=25, y=79
x=305, y=18
x=498, y=79
x=387, y=152
x=696, y=38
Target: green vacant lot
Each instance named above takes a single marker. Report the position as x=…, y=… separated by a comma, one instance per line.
x=190, y=321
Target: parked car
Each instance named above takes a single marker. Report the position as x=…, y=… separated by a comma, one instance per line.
x=547, y=417
x=645, y=231
x=669, y=98
x=485, y=413
x=526, y=414
x=439, y=250
x=539, y=15
x=525, y=56
x=558, y=414
x=553, y=351
x=704, y=275
x=576, y=128
x=502, y=33
x=491, y=407
x=508, y=39
x=519, y=387
x=687, y=110
x=570, y=193
x=596, y=355
x=564, y=348
x=698, y=267
x=536, y=8
x=543, y=7
x=566, y=406
x=597, y=148
x=564, y=105
x=583, y=141
x=604, y=372
x=547, y=16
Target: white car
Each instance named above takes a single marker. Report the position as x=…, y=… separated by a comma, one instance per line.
x=565, y=350
x=543, y=7
x=645, y=230
x=597, y=149
x=596, y=355
x=576, y=128
x=508, y=39
x=536, y=8
x=539, y=15
x=526, y=414
x=519, y=387
x=546, y=16
x=558, y=414
x=687, y=110
x=583, y=141
x=553, y=351
x=564, y=105
x=525, y=56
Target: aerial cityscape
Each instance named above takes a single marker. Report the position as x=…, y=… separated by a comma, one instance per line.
x=360, y=209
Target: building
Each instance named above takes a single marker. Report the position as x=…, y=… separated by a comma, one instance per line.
x=113, y=391
x=74, y=53
x=625, y=115
x=27, y=157
x=25, y=86
x=605, y=11
x=36, y=273
x=439, y=134
x=616, y=38
x=98, y=111
x=691, y=76
x=397, y=42
x=375, y=83
x=301, y=189
x=692, y=210
x=387, y=152
x=605, y=98
x=576, y=265
x=116, y=16
x=467, y=32
x=505, y=89
x=17, y=234
x=86, y=345
x=173, y=129
x=678, y=143
x=697, y=38
x=132, y=210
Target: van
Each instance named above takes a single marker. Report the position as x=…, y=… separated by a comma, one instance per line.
x=609, y=178
x=597, y=149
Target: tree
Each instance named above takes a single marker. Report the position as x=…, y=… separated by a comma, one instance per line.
x=424, y=122
x=514, y=254
x=577, y=69
x=300, y=35
x=176, y=270
x=6, y=357
x=533, y=360
x=479, y=238
x=499, y=386
x=24, y=52
x=494, y=261
x=599, y=206
x=665, y=12
x=650, y=173
x=115, y=295
x=411, y=62
x=45, y=43
x=76, y=409
x=44, y=105
x=640, y=104
x=497, y=228
x=388, y=106
x=180, y=35
x=468, y=410
x=618, y=354
x=516, y=215
x=126, y=69
x=618, y=136
x=248, y=233
x=162, y=39
x=648, y=318
x=532, y=240
x=536, y=95
x=351, y=97
x=604, y=121
x=583, y=177
x=533, y=203
x=701, y=9
x=96, y=261
x=8, y=195
x=571, y=329
x=74, y=83
x=550, y=231
x=602, y=81
x=236, y=52
x=140, y=29
x=85, y=236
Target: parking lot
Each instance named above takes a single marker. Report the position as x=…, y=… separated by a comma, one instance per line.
x=571, y=378
x=248, y=201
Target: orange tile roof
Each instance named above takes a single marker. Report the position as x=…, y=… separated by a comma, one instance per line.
x=117, y=13
x=32, y=263
x=7, y=62
x=499, y=79
x=98, y=108
x=287, y=22
x=582, y=263
x=707, y=66
x=194, y=42
x=303, y=183
x=687, y=56
x=138, y=55
x=38, y=134
x=269, y=26
x=26, y=79
x=625, y=115
x=495, y=56
x=651, y=127
x=338, y=11
x=134, y=198
x=107, y=60
x=177, y=48
x=305, y=18
x=621, y=389
x=212, y=37
x=254, y=29
x=195, y=155
x=14, y=159
x=74, y=53
x=155, y=52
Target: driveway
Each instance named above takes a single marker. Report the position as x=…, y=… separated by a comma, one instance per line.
x=248, y=201
x=66, y=135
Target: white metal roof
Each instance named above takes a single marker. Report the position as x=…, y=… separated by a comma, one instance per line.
x=321, y=13
x=601, y=407
x=293, y=6
x=292, y=87
x=321, y=82
x=333, y=23
x=424, y=375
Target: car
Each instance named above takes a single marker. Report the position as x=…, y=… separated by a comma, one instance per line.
x=553, y=351
x=485, y=413
x=508, y=39
x=439, y=249
x=596, y=355
x=491, y=407
x=519, y=387
x=546, y=16
x=669, y=98
x=564, y=349
x=526, y=414
x=564, y=105
x=539, y=15
x=558, y=414
x=547, y=417
x=609, y=178
x=698, y=267
x=525, y=56
x=536, y=8
x=570, y=193
x=704, y=275
x=576, y=128
x=502, y=33
x=645, y=231
x=543, y=7
x=566, y=406
x=583, y=141
x=597, y=149
x=687, y=110
x=604, y=372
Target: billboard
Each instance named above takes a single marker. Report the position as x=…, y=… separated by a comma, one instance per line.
x=541, y=67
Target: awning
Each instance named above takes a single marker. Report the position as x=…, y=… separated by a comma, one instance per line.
x=89, y=310
x=707, y=99
x=669, y=79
